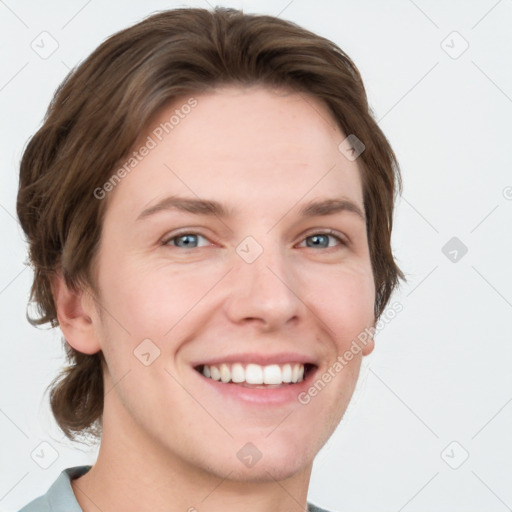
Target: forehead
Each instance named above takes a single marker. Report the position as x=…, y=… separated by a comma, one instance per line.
x=240, y=146
x=257, y=122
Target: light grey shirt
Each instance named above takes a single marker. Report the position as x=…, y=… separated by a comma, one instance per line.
x=61, y=498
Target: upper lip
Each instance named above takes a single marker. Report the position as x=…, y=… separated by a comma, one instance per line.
x=261, y=359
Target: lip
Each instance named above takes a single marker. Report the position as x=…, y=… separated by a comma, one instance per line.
x=286, y=394
x=261, y=359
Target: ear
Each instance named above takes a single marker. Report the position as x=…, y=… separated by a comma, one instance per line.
x=370, y=342
x=75, y=312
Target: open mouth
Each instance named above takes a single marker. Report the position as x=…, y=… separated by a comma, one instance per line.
x=257, y=376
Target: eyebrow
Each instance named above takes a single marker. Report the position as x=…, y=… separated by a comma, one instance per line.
x=213, y=208
x=329, y=207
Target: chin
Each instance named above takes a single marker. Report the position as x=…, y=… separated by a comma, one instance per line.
x=265, y=472
x=276, y=463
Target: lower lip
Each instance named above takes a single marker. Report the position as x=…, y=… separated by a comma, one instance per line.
x=260, y=396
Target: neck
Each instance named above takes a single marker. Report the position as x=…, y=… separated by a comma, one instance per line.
x=133, y=473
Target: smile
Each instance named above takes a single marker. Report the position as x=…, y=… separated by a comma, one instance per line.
x=238, y=373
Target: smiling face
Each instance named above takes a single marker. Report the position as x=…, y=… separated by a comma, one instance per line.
x=263, y=280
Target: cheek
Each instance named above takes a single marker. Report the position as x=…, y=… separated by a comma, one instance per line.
x=344, y=298
x=155, y=302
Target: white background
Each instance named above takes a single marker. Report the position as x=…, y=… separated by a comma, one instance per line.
x=441, y=368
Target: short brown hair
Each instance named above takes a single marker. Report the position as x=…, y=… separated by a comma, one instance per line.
x=105, y=104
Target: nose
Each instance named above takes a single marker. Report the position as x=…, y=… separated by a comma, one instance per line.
x=265, y=291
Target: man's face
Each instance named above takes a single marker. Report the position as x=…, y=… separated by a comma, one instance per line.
x=262, y=285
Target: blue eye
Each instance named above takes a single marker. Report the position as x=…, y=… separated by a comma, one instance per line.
x=322, y=240
x=187, y=240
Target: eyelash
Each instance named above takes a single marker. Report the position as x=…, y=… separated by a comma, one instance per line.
x=328, y=232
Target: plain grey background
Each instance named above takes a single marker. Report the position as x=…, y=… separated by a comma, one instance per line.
x=429, y=425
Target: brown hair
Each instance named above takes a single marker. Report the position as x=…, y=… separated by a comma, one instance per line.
x=104, y=106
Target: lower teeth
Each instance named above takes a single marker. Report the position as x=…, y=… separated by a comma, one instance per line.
x=259, y=386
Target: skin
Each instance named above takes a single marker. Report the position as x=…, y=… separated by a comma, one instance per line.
x=169, y=443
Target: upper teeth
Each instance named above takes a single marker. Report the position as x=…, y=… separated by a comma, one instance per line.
x=255, y=374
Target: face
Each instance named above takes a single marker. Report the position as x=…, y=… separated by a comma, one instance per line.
x=262, y=281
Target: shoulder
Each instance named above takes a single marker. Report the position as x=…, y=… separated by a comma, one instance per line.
x=38, y=505
x=60, y=496
x=314, y=508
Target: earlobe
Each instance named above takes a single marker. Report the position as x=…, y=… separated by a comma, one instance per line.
x=370, y=341
x=75, y=316
x=368, y=347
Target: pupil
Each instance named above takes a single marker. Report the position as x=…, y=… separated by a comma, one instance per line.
x=186, y=239
x=316, y=238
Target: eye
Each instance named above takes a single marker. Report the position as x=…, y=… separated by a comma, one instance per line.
x=186, y=240
x=189, y=240
x=321, y=239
